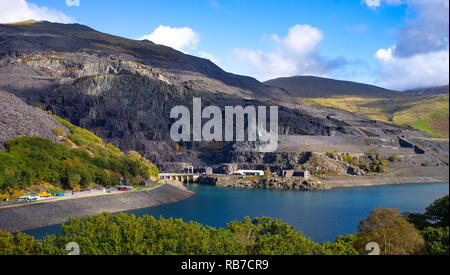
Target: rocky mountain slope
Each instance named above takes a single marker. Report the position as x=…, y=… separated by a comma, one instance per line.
x=19, y=119
x=34, y=37
x=123, y=90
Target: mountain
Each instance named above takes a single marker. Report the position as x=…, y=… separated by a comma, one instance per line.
x=423, y=109
x=123, y=91
x=431, y=90
x=32, y=37
x=319, y=87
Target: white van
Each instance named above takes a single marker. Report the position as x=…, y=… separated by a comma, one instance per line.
x=28, y=198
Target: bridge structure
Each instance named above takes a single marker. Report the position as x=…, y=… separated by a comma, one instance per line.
x=186, y=178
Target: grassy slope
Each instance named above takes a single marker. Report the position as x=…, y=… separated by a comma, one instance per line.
x=430, y=115
x=425, y=112
x=82, y=160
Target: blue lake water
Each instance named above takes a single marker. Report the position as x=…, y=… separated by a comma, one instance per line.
x=320, y=215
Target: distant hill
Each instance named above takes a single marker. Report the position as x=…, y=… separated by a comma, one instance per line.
x=432, y=90
x=314, y=87
x=422, y=109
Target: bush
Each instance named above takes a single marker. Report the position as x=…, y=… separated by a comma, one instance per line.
x=31, y=160
x=436, y=240
x=364, y=165
x=59, y=131
x=331, y=155
x=393, y=158
x=434, y=226
x=123, y=234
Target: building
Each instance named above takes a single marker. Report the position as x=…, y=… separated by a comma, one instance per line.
x=208, y=170
x=287, y=173
x=297, y=173
x=205, y=170
x=249, y=172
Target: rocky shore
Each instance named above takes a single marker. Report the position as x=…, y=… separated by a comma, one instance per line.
x=46, y=214
x=278, y=183
x=398, y=176
x=392, y=176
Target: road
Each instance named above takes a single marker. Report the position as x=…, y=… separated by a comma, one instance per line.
x=75, y=196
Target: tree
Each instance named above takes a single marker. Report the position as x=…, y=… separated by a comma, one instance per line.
x=437, y=212
x=344, y=245
x=419, y=220
x=436, y=215
x=434, y=226
x=391, y=231
x=436, y=240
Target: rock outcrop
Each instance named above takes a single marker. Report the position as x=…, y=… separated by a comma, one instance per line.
x=19, y=119
x=278, y=183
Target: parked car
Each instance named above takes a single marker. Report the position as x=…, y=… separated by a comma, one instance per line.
x=44, y=195
x=124, y=188
x=28, y=198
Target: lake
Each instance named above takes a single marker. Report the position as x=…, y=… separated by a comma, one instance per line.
x=320, y=215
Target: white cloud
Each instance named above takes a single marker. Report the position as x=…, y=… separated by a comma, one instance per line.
x=372, y=3
x=22, y=10
x=72, y=3
x=294, y=54
x=420, y=57
x=181, y=39
x=420, y=70
x=376, y=3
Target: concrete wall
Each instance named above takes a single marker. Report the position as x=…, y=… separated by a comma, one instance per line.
x=46, y=214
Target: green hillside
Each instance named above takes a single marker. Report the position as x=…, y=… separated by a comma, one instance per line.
x=81, y=161
x=422, y=111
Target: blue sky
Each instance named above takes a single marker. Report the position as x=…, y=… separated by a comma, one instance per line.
x=366, y=41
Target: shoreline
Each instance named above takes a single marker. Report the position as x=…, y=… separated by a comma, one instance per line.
x=43, y=214
x=393, y=177
x=330, y=184
x=336, y=184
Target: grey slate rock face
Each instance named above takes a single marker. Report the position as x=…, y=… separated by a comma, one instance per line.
x=19, y=119
x=123, y=90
